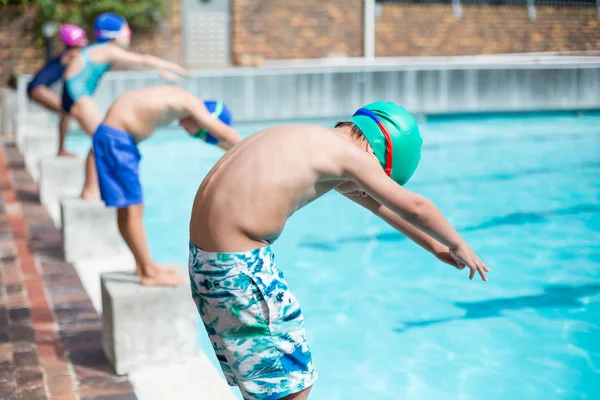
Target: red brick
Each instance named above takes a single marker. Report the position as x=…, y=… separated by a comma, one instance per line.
x=29, y=378
x=85, y=372
x=17, y=300
x=431, y=29
x=9, y=196
x=70, y=297
x=46, y=335
x=43, y=326
x=37, y=299
x=53, y=366
x=37, y=393
x=13, y=279
x=60, y=384
x=65, y=396
x=6, y=352
x=291, y=29
x=42, y=315
x=49, y=350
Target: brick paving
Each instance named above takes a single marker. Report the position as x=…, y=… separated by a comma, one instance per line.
x=50, y=334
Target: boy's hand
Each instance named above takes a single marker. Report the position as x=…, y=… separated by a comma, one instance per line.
x=178, y=69
x=183, y=72
x=168, y=75
x=443, y=254
x=464, y=255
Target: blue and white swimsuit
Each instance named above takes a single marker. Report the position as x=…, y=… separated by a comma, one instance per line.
x=253, y=321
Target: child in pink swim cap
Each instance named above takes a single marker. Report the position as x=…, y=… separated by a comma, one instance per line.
x=72, y=36
x=38, y=89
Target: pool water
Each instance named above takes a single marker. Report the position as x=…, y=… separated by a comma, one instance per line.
x=385, y=319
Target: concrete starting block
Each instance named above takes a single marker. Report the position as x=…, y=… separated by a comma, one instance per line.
x=34, y=123
x=89, y=230
x=60, y=177
x=146, y=326
x=37, y=146
x=8, y=108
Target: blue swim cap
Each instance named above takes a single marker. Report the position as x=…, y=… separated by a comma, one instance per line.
x=107, y=26
x=219, y=110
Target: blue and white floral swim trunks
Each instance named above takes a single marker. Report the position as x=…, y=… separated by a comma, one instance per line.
x=254, y=322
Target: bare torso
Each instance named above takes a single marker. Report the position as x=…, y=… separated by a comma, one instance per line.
x=140, y=111
x=246, y=199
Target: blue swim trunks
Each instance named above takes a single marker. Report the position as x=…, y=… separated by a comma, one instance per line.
x=117, y=160
x=253, y=321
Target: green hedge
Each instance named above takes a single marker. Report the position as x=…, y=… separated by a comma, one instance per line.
x=141, y=14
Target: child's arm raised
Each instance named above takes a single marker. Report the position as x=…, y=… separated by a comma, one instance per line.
x=166, y=69
x=363, y=169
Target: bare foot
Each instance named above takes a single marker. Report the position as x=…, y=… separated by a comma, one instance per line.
x=162, y=280
x=90, y=195
x=64, y=153
x=163, y=269
x=159, y=269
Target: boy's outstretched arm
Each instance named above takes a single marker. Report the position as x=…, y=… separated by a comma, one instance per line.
x=363, y=169
x=205, y=120
x=167, y=69
x=421, y=238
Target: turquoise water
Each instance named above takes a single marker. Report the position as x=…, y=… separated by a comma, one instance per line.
x=386, y=320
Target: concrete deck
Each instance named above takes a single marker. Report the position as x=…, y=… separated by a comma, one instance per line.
x=68, y=362
x=50, y=333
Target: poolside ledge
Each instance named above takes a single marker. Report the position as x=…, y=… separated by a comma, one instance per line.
x=60, y=177
x=145, y=326
x=89, y=229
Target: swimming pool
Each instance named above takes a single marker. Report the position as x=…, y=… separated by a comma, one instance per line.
x=386, y=320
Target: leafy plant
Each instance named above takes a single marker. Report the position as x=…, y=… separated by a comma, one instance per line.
x=140, y=14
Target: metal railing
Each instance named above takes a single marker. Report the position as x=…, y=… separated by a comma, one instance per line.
x=423, y=85
x=530, y=4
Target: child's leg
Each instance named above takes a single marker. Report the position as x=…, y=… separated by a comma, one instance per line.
x=63, y=128
x=302, y=395
x=52, y=101
x=87, y=114
x=46, y=97
x=131, y=226
x=91, y=190
x=89, y=118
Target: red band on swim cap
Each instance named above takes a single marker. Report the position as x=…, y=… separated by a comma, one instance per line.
x=386, y=135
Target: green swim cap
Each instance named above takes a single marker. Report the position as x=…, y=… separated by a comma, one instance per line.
x=394, y=137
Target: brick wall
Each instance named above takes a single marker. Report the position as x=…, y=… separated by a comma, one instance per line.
x=18, y=52
x=165, y=39
x=424, y=30
x=18, y=33
x=280, y=29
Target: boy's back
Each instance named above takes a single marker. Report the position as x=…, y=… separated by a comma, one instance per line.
x=140, y=111
x=247, y=197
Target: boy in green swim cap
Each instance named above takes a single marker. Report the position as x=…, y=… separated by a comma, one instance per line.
x=253, y=320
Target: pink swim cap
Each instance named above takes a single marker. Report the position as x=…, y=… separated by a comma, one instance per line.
x=72, y=35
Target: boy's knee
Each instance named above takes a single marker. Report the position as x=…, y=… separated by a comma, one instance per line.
x=133, y=211
x=301, y=395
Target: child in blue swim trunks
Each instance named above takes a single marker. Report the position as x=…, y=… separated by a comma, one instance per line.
x=84, y=73
x=133, y=117
x=38, y=89
x=254, y=322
